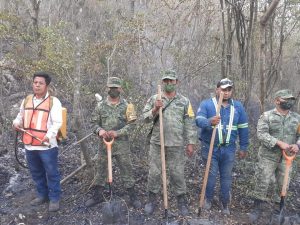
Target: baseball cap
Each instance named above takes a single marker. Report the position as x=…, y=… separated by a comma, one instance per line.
x=114, y=82
x=169, y=74
x=225, y=83
x=285, y=93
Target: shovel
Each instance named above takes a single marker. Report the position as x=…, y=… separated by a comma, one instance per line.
x=279, y=219
x=114, y=210
x=163, y=157
x=211, y=147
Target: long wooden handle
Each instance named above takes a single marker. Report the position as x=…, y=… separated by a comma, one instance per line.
x=162, y=151
x=288, y=164
x=211, y=147
x=285, y=180
x=40, y=140
x=109, y=162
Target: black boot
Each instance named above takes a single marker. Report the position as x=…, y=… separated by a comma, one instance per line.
x=182, y=205
x=134, y=201
x=97, y=196
x=151, y=204
x=257, y=211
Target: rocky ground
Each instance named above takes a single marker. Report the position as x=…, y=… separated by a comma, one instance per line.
x=17, y=190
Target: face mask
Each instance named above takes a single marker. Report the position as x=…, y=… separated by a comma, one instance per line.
x=225, y=99
x=114, y=93
x=169, y=87
x=287, y=104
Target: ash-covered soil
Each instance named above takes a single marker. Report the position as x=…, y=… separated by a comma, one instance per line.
x=17, y=190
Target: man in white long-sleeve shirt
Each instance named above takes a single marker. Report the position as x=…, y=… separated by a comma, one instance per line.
x=40, y=118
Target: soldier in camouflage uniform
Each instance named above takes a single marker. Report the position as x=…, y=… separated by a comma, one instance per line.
x=114, y=118
x=277, y=131
x=178, y=122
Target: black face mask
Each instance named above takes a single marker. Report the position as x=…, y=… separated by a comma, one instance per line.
x=114, y=93
x=287, y=104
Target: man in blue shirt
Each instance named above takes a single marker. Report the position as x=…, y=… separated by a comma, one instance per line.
x=231, y=123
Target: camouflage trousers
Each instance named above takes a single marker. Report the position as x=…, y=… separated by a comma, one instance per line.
x=124, y=162
x=269, y=171
x=175, y=162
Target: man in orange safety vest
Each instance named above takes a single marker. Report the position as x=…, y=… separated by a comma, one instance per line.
x=40, y=118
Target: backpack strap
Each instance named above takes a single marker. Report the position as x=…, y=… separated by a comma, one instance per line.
x=31, y=95
x=51, y=102
x=27, y=99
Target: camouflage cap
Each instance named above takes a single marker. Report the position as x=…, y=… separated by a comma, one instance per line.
x=169, y=74
x=114, y=82
x=285, y=93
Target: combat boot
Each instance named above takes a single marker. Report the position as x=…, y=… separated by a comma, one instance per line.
x=182, y=205
x=134, y=201
x=97, y=196
x=151, y=204
x=257, y=211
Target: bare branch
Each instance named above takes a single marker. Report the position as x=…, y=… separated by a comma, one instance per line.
x=264, y=19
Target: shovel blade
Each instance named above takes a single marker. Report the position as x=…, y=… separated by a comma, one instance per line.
x=115, y=212
x=277, y=219
x=281, y=205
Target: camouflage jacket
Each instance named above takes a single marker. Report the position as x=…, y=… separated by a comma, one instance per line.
x=119, y=117
x=272, y=127
x=178, y=121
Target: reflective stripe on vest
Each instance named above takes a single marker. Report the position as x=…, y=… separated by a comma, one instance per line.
x=229, y=127
x=35, y=120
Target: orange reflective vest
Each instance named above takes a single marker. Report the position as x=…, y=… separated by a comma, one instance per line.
x=35, y=120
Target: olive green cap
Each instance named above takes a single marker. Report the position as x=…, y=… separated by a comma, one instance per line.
x=114, y=82
x=285, y=93
x=169, y=74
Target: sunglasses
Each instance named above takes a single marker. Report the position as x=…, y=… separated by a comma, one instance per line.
x=225, y=81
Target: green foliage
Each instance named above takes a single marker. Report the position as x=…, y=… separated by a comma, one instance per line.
x=51, y=52
x=7, y=24
x=57, y=51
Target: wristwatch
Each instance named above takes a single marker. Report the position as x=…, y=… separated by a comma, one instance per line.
x=97, y=130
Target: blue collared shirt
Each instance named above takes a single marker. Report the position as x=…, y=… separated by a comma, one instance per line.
x=240, y=128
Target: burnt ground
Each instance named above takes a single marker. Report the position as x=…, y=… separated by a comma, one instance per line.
x=17, y=190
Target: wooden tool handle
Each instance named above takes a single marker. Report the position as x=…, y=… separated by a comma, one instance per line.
x=30, y=134
x=162, y=151
x=288, y=164
x=109, y=161
x=211, y=147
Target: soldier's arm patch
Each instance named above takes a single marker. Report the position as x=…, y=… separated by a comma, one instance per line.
x=190, y=111
x=130, y=113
